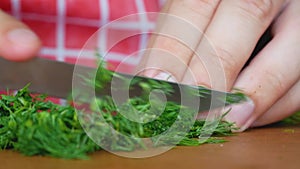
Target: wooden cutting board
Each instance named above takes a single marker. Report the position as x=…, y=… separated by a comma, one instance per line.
x=276, y=146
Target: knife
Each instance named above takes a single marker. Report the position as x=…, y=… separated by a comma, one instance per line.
x=55, y=79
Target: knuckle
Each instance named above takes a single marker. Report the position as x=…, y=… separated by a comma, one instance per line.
x=202, y=8
x=228, y=60
x=171, y=47
x=259, y=9
x=276, y=81
x=205, y=4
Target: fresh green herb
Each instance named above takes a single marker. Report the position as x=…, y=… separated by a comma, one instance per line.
x=292, y=120
x=34, y=126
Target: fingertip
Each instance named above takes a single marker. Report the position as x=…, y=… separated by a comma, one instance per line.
x=165, y=76
x=240, y=114
x=151, y=73
x=19, y=44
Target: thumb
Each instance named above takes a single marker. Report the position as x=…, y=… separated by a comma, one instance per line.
x=17, y=41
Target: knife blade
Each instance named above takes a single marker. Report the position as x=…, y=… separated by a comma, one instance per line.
x=55, y=79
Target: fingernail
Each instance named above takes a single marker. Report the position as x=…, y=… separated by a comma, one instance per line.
x=21, y=37
x=239, y=114
x=149, y=73
x=165, y=76
x=188, y=80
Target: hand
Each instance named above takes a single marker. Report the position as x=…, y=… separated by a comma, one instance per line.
x=231, y=29
x=17, y=41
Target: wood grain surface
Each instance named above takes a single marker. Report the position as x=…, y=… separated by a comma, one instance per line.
x=276, y=146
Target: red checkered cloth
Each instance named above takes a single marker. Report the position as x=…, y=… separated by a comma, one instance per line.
x=65, y=25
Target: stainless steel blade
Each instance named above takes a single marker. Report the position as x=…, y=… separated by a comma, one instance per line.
x=45, y=76
x=55, y=79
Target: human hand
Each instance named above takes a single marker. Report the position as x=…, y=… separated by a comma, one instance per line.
x=17, y=41
x=271, y=79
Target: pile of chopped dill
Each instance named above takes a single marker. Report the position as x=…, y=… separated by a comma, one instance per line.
x=33, y=126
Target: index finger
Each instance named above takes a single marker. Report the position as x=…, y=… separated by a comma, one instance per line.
x=179, y=31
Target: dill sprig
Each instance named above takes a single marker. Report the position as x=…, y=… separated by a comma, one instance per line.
x=292, y=120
